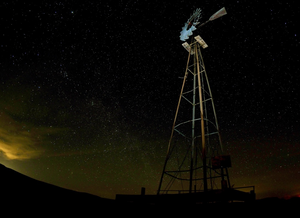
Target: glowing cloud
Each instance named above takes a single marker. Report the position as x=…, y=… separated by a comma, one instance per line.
x=17, y=143
x=17, y=146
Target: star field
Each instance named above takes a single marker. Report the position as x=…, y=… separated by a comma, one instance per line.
x=88, y=91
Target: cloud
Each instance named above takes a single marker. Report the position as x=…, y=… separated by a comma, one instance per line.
x=17, y=147
x=17, y=143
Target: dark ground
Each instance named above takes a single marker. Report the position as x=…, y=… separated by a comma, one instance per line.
x=22, y=195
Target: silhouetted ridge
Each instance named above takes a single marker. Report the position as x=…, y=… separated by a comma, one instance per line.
x=20, y=191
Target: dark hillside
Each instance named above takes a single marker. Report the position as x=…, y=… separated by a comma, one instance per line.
x=21, y=193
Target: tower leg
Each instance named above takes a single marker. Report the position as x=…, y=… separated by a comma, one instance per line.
x=173, y=127
x=162, y=176
x=193, y=128
x=202, y=122
x=228, y=177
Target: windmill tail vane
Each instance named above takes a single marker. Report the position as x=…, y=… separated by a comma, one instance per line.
x=218, y=14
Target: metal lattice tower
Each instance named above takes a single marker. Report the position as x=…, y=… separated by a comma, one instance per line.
x=195, y=143
x=194, y=162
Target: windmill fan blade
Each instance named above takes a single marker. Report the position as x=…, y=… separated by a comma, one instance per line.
x=218, y=14
x=186, y=33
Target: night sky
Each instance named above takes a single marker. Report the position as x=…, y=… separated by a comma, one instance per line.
x=88, y=91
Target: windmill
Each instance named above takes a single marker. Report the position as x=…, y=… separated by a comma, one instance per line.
x=195, y=169
x=194, y=159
